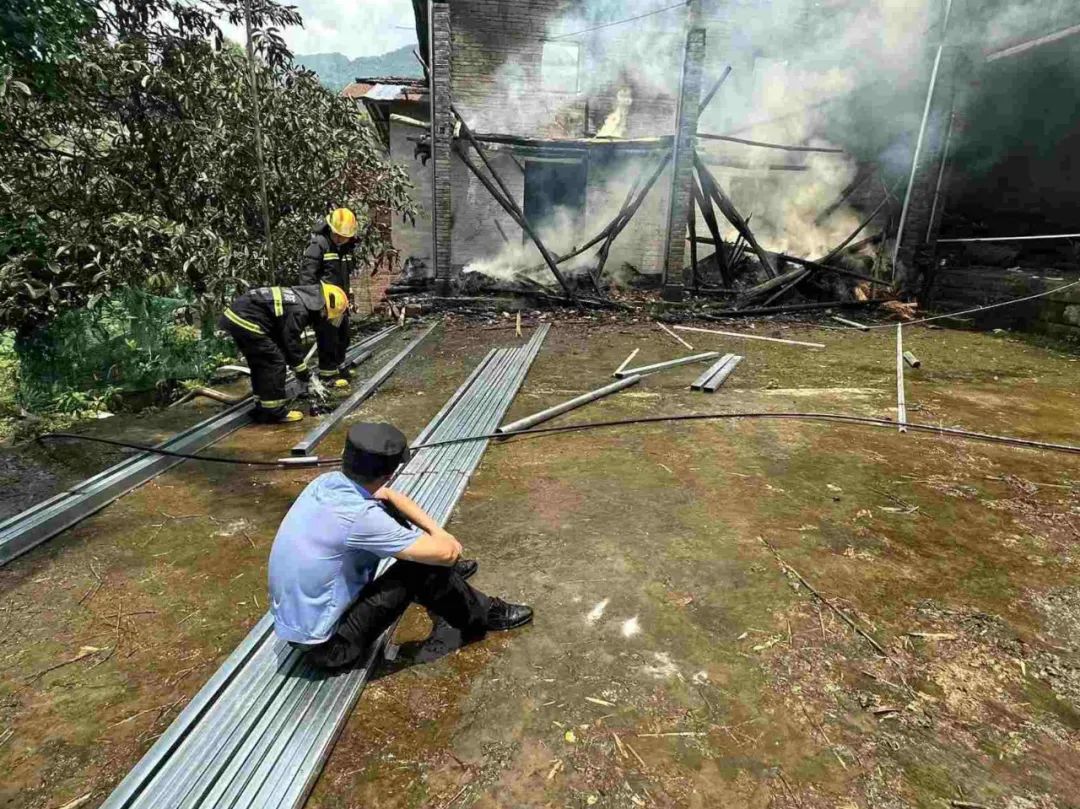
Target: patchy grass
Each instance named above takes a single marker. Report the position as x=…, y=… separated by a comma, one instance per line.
x=674, y=661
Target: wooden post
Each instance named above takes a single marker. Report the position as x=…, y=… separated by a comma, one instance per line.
x=731, y=213
x=705, y=203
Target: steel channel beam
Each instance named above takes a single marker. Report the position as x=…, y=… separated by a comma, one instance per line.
x=453, y=400
x=42, y=521
x=474, y=450
x=660, y=366
x=710, y=372
x=279, y=669
x=151, y=764
x=722, y=375
x=431, y=472
x=315, y=437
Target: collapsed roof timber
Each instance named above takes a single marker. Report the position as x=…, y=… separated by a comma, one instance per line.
x=550, y=157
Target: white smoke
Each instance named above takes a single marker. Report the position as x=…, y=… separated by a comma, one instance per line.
x=828, y=73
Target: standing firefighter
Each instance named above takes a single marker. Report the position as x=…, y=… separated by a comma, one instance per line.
x=266, y=324
x=328, y=258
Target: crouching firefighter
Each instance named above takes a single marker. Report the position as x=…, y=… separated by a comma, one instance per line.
x=266, y=324
x=328, y=259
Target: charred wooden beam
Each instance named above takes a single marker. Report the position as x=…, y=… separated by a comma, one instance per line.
x=840, y=247
x=723, y=266
x=507, y=201
x=765, y=145
x=864, y=173
x=511, y=208
x=789, y=308
x=709, y=95
x=731, y=213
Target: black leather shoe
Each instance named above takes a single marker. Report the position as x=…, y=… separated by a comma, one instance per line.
x=466, y=567
x=502, y=616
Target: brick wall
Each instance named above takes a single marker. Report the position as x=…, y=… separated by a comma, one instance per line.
x=1058, y=315
x=442, y=128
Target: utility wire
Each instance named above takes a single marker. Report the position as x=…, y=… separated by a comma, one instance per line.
x=835, y=418
x=621, y=22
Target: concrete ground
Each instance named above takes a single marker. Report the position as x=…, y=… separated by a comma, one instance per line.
x=677, y=658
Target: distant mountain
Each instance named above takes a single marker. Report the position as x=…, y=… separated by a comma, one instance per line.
x=336, y=70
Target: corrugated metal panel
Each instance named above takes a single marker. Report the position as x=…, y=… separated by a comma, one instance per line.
x=384, y=92
x=258, y=734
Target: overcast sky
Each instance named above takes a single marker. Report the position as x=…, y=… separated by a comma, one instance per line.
x=352, y=27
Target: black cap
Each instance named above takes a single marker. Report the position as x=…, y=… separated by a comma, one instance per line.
x=374, y=450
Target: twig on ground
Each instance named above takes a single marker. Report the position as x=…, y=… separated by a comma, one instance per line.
x=824, y=736
x=81, y=656
x=159, y=708
x=785, y=566
x=641, y=761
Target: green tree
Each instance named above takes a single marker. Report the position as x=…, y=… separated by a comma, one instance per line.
x=139, y=171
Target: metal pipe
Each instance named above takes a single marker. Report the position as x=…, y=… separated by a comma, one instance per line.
x=573, y=404
x=922, y=138
x=901, y=399
x=912, y=360
x=660, y=366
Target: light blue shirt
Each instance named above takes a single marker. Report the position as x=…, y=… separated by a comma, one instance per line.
x=325, y=552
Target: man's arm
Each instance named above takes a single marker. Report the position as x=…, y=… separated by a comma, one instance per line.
x=434, y=546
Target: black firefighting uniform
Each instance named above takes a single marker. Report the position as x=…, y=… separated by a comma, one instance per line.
x=325, y=261
x=266, y=324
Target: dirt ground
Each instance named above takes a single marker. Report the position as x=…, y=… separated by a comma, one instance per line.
x=678, y=657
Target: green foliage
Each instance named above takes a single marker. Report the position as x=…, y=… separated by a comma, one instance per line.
x=336, y=70
x=131, y=341
x=40, y=33
x=141, y=173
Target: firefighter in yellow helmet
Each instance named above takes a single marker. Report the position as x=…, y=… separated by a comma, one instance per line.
x=266, y=324
x=329, y=258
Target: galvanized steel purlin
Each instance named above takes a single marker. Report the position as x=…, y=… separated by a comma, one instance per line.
x=258, y=734
x=41, y=522
x=710, y=372
x=315, y=437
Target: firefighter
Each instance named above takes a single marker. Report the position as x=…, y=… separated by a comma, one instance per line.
x=266, y=324
x=329, y=258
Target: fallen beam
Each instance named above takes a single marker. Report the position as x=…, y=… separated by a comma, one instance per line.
x=854, y=324
x=627, y=361
x=788, y=308
x=315, y=437
x=711, y=371
x=662, y=366
x=573, y=404
x=722, y=375
x=731, y=213
x=750, y=337
x=1014, y=50
x=709, y=95
x=764, y=145
x=1011, y=238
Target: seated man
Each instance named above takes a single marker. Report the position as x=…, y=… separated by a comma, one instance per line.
x=323, y=593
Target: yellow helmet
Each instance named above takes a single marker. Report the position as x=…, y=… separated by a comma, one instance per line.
x=337, y=303
x=343, y=222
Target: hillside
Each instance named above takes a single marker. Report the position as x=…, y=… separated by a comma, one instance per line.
x=336, y=70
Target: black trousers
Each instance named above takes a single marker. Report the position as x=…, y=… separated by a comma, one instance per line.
x=333, y=344
x=267, y=364
x=382, y=602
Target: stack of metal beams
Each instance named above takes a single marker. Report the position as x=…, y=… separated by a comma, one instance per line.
x=259, y=732
x=46, y=519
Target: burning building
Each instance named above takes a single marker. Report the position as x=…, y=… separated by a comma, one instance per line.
x=830, y=130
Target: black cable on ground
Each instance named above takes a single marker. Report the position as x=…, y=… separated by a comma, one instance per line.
x=835, y=418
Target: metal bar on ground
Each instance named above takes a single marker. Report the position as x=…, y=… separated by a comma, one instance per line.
x=912, y=360
x=673, y=334
x=573, y=404
x=751, y=337
x=627, y=361
x=722, y=376
x=44, y=520
x=258, y=734
x=315, y=437
x=854, y=324
x=661, y=366
x=711, y=371
x=901, y=399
